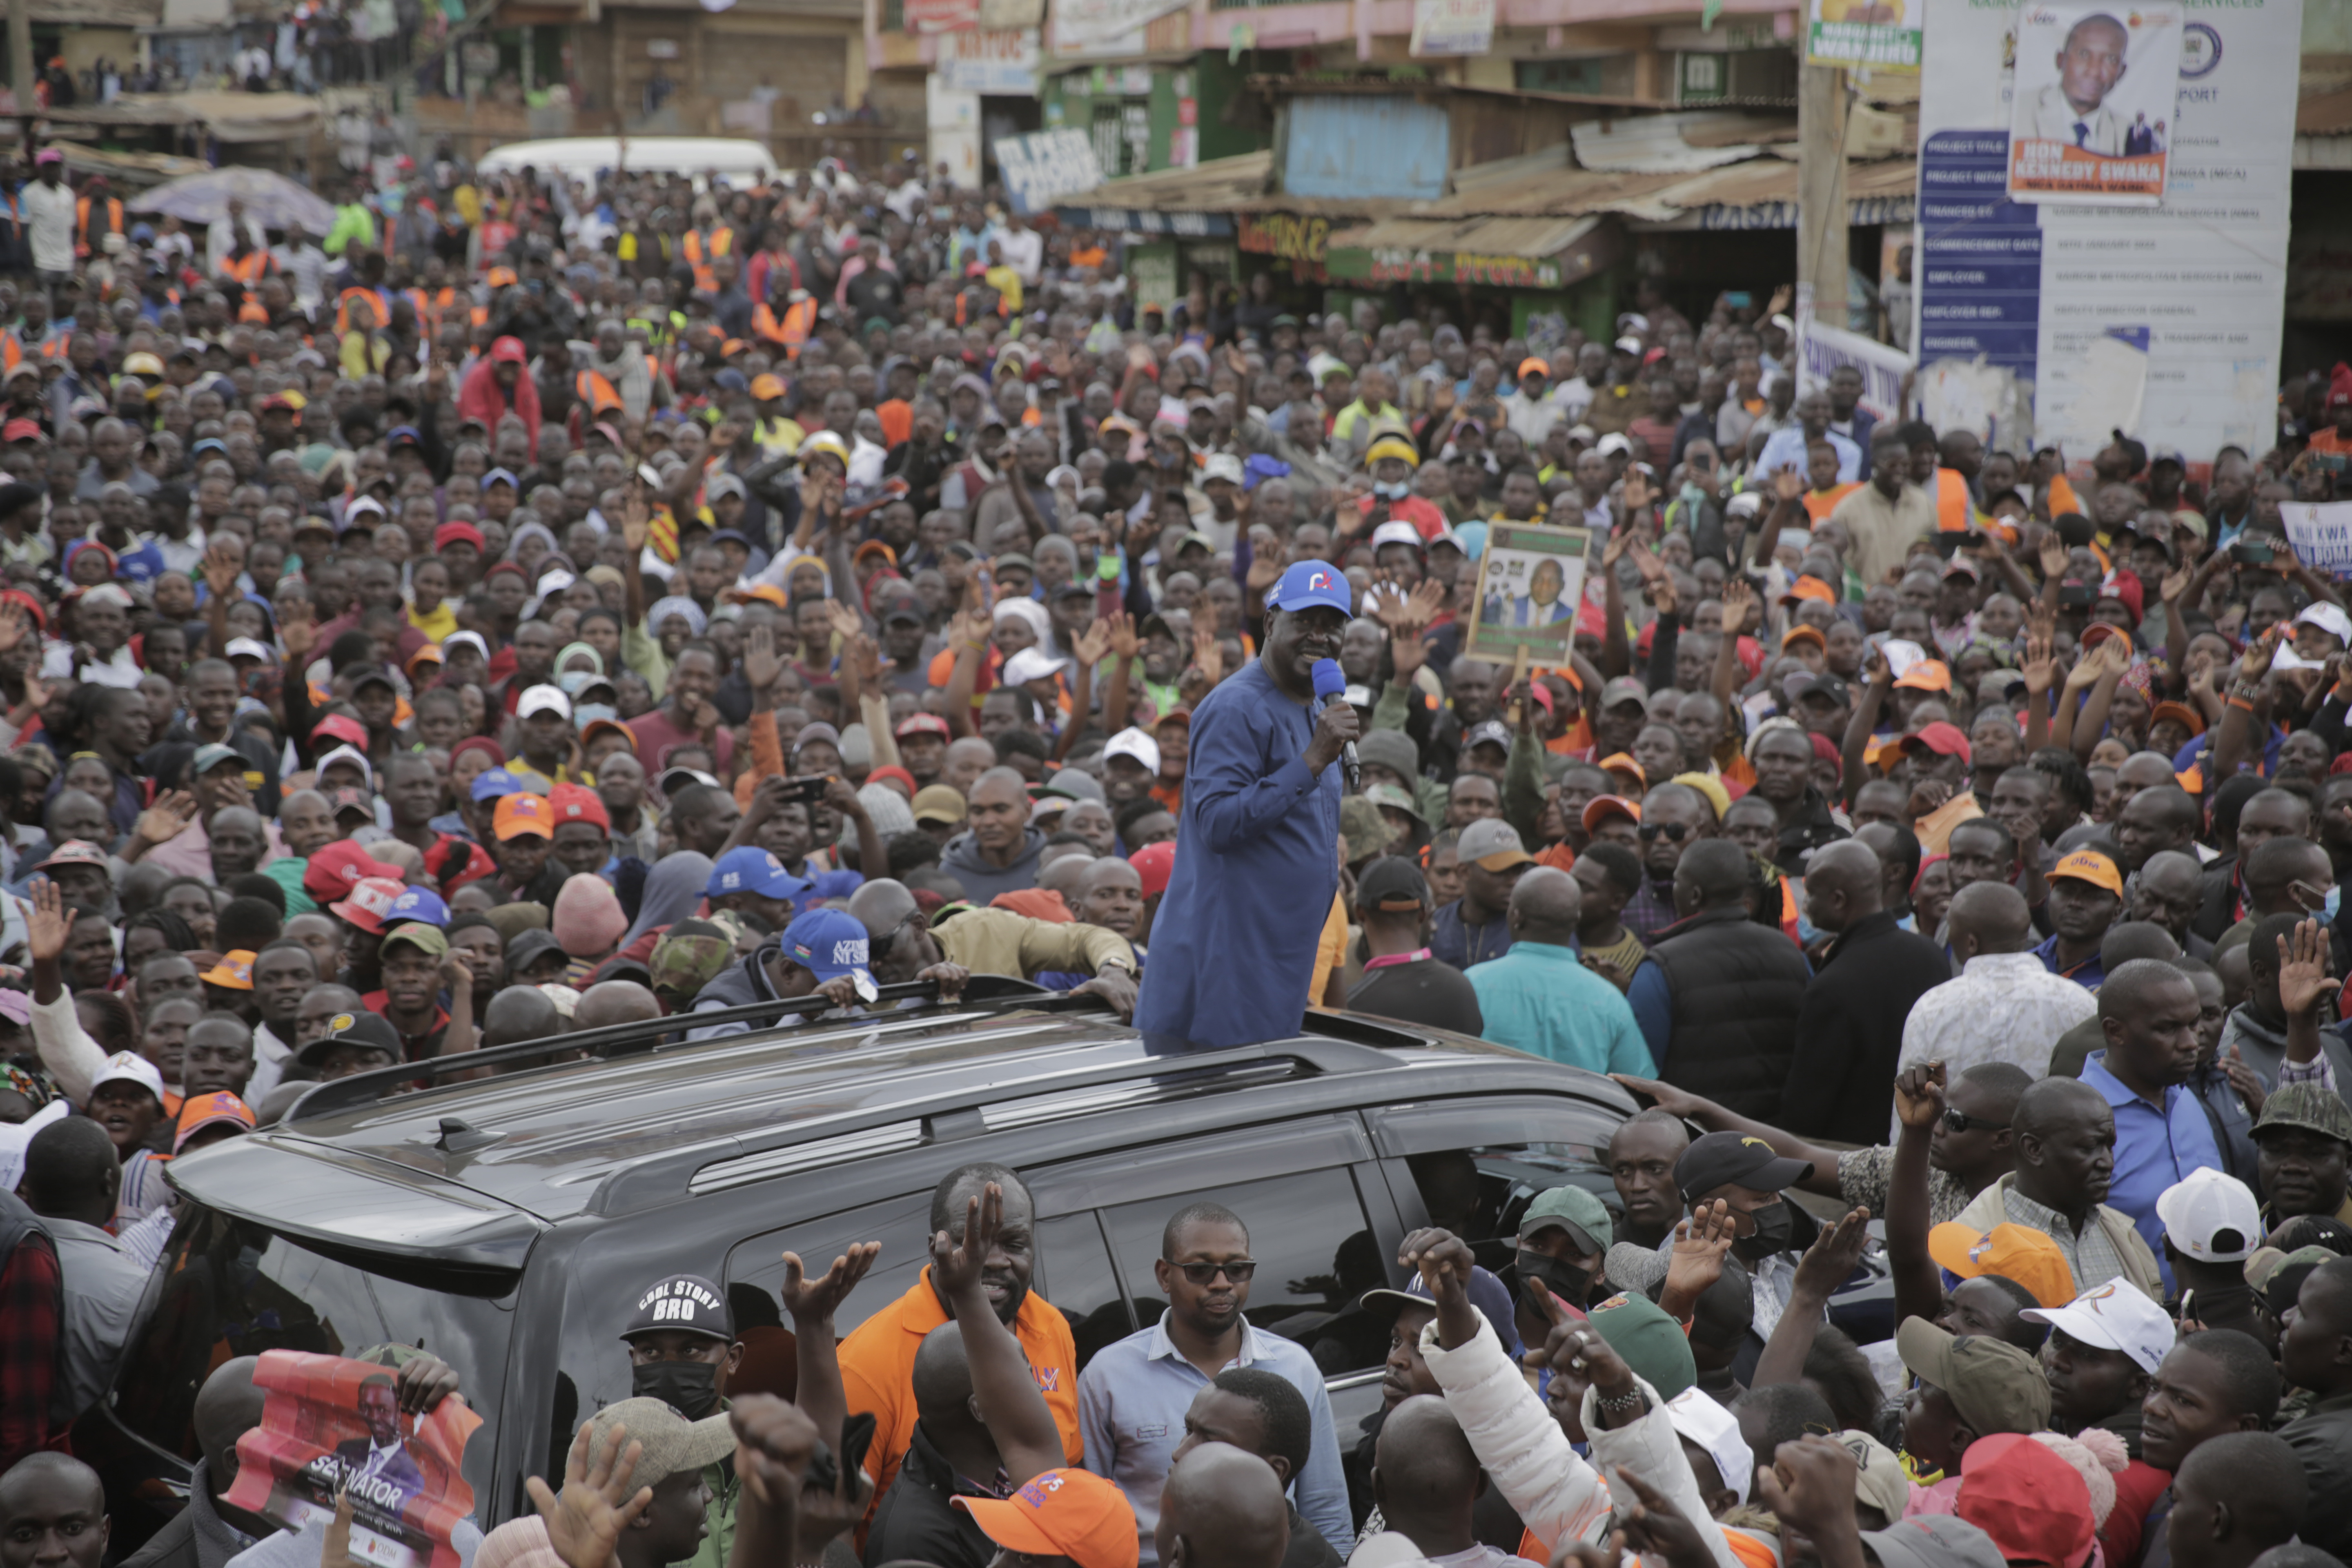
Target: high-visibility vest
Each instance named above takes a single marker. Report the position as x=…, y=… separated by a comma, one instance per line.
x=375, y=301
x=800, y=320
x=252, y=313
x=256, y=266
x=594, y=390
x=430, y=307
x=83, y=238
x=690, y=245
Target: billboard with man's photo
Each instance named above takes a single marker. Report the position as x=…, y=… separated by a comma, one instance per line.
x=2094, y=110
x=1531, y=586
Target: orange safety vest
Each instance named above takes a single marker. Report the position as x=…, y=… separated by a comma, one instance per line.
x=690, y=245
x=82, y=245
x=800, y=320
x=343, y=307
x=430, y=306
x=1954, y=509
x=256, y=266
x=592, y=388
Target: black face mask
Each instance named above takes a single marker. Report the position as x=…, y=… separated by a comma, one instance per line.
x=1772, y=1230
x=690, y=1388
x=1565, y=1280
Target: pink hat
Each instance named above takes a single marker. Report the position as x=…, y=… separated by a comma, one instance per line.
x=48, y=155
x=588, y=920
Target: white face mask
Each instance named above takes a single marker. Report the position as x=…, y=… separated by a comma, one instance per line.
x=1397, y=491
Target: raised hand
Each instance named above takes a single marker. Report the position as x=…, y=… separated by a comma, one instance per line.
x=2303, y=980
x=298, y=631
x=1573, y=1349
x=1788, y=485
x=46, y=927
x=458, y=971
x=2176, y=584
x=636, y=517
x=1207, y=657
x=1739, y=598
x=1443, y=1260
x=845, y=624
x=1833, y=1254
x=167, y=819
x=2260, y=652
x=2246, y=1081
x=816, y=1300
x=584, y=1523
x=1810, y=1483
x=1653, y=1526
x=763, y=665
x=1919, y=1095
x=1664, y=1096
x=224, y=564
x=957, y=1266
x=1125, y=644
x=1701, y=1243
x=1635, y=492
x=2053, y=556
x=1094, y=642
x=2040, y=666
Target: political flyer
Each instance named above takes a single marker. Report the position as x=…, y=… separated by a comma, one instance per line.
x=330, y=1425
x=1530, y=584
x=1880, y=34
x=2094, y=111
x=2320, y=533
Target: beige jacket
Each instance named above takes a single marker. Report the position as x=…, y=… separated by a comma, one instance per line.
x=1988, y=1209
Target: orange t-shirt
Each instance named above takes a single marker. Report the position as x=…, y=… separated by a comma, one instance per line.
x=897, y=416
x=877, y=1372
x=1818, y=504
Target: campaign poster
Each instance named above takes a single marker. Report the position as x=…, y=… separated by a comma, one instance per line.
x=2095, y=105
x=1880, y=34
x=2320, y=533
x=1530, y=584
x=330, y=1425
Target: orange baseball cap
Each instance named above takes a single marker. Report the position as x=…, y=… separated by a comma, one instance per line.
x=2090, y=865
x=1805, y=633
x=2012, y=1251
x=520, y=813
x=1810, y=588
x=1927, y=675
x=1623, y=763
x=765, y=388
x=1062, y=1514
x=235, y=971
x=1602, y=807
x=1533, y=366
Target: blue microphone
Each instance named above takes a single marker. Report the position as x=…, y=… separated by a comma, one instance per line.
x=1330, y=681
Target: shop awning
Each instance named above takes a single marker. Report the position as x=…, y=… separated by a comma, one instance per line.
x=1198, y=201
x=1760, y=193
x=1506, y=252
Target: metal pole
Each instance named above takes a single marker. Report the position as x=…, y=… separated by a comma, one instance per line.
x=20, y=57
x=1821, y=248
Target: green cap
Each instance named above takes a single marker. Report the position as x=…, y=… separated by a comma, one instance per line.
x=1365, y=831
x=1995, y=1386
x=1647, y=1340
x=2309, y=1106
x=420, y=936
x=1577, y=1209
x=1395, y=795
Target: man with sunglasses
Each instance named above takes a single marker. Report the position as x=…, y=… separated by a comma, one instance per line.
x=1133, y=1394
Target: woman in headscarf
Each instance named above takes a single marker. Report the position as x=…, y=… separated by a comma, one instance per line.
x=674, y=891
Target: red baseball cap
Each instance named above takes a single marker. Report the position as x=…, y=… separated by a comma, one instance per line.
x=1068, y=1513
x=2034, y=1505
x=340, y=866
x=370, y=900
x=573, y=803
x=343, y=728
x=922, y=724
x=509, y=350
x=21, y=430
x=1943, y=739
x=459, y=532
x=1155, y=863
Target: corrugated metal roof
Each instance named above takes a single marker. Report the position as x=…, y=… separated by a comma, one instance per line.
x=1655, y=144
x=1530, y=236
x=1221, y=185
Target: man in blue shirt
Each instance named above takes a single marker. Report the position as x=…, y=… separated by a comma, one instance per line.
x=1539, y=998
x=1232, y=950
x=1133, y=1396
x=2147, y=1011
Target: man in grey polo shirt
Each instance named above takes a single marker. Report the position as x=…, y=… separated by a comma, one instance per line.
x=72, y=1179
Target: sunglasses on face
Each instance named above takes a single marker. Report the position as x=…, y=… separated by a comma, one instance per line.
x=1238, y=1270
x=1962, y=1121
x=1674, y=831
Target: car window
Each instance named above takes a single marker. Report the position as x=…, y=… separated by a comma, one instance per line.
x=1473, y=1166
x=1315, y=1252
x=901, y=1224
x=1076, y=1274
x=229, y=1288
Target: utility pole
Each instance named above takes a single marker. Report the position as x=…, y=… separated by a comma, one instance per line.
x=1822, y=211
x=20, y=58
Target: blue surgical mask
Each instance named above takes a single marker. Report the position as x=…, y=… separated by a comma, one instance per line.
x=2327, y=910
x=1397, y=491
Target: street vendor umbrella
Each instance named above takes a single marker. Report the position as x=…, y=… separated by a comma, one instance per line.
x=203, y=198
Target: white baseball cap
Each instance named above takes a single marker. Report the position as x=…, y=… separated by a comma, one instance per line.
x=1222, y=465
x=247, y=647
x=2116, y=1316
x=1614, y=442
x=543, y=699
x=1136, y=746
x=1031, y=664
x=2211, y=1216
x=1700, y=1421
x=130, y=1067
x=2328, y=619
x=1396, y=531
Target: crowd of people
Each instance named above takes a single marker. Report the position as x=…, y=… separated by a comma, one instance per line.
x=535, y=607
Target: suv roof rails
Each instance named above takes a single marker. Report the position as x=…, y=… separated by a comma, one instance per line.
x=942, y=1116
x=626, y=1039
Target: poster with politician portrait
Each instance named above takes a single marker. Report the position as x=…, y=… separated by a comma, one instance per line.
x=330, y=1426
x=1531, y=586
x=2093, y=116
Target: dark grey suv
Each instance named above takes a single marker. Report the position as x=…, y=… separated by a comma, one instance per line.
x=506, y=1223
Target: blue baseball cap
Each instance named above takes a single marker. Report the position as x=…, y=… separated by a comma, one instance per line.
x=418, y=904
x=750, y=869
x=831, y=945
x=1312, y=582
x=496, y=785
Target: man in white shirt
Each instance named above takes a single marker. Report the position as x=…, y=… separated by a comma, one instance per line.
x=1534, y=408
x=2005, y=1006
x=1024, y=248
x=48, y=205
